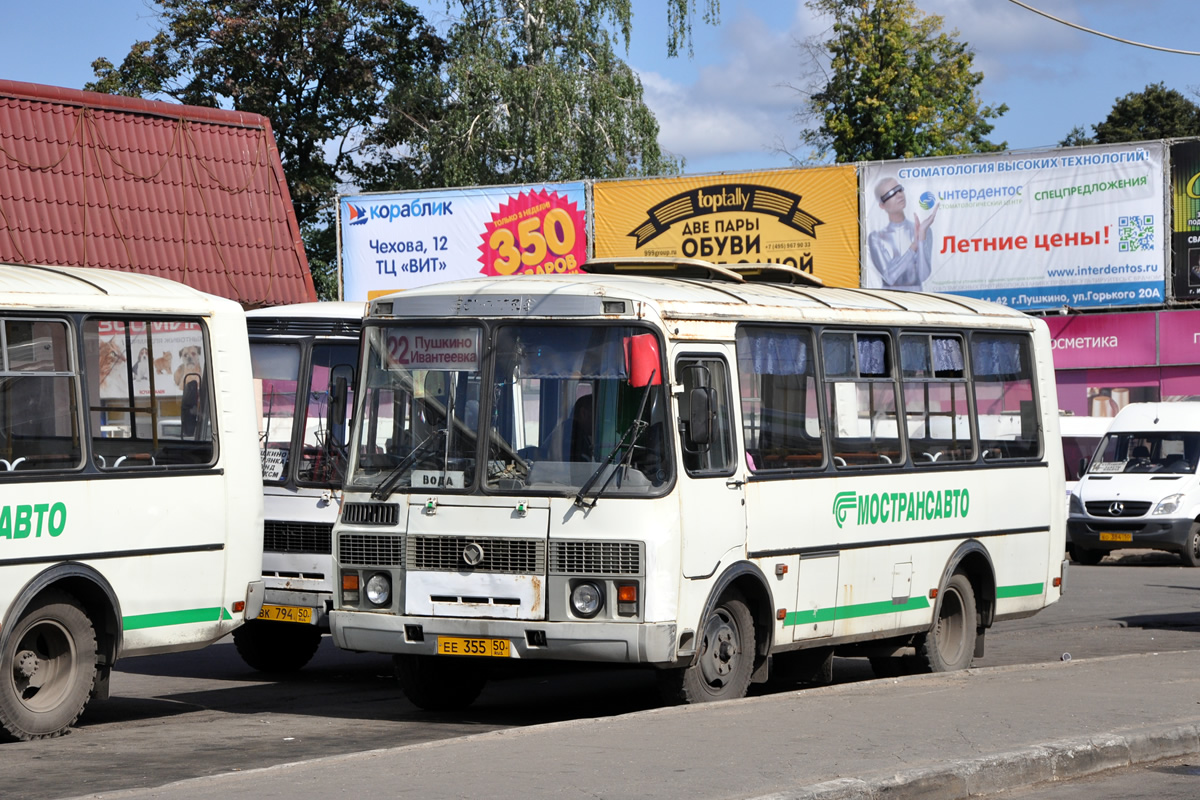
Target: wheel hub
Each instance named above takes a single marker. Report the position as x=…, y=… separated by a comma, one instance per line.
x=26, y=664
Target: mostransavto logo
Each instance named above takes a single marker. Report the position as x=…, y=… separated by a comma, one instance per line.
x=888, y=507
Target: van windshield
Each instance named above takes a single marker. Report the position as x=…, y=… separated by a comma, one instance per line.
x=1156, y=451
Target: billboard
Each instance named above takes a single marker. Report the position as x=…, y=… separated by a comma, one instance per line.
x=1185, y=219
x=404, y=240
x=1077, y=228
x=806, y=218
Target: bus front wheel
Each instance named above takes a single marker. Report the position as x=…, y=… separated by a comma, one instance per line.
x=440, y=683
x=725, y=662
x=47, y=668
x=950, y=644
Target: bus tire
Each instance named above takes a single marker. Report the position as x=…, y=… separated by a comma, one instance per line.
x=440, y=683
x=1191, y=548
x=725, y=663
x=276, y=647
x=47, y=669
x=950, y=643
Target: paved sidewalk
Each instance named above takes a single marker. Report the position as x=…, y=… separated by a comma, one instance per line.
x=934, y=737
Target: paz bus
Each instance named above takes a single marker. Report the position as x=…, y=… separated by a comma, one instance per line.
x=126, y=446
x=304, y=357
x=719, y=471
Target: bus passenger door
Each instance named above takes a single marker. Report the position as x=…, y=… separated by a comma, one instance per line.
x=711, y=502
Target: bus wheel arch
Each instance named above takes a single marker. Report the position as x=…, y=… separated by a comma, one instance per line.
x=48, y=664
x=732, y=640
x=98, y=600
x=964, y=609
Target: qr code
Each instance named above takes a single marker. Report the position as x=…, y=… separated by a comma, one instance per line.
x=1136, y=233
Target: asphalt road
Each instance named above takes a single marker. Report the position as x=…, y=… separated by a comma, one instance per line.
x=192, y=714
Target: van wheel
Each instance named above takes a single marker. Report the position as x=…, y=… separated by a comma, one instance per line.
x=440, y=683
x=1089, y=558
x=725, y=662
x=47, y=668
x=275, y=647
x=1191, y=548
x=950, y=644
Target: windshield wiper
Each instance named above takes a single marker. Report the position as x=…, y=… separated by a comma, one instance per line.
x=384, y=489
x=632, y=433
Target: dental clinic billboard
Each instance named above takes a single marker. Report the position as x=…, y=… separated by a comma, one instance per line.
x=403, y=240
x=1079, y=227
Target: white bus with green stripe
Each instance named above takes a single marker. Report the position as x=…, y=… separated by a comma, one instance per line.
x=727, y=473
x=130, y=519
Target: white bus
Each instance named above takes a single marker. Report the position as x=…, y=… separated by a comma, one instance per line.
x=718, y=471
x=126, y=445
x=304, y=358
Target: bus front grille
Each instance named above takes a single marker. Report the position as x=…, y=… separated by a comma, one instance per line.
x=371, y=513
x=596, y=558
x=371, y=551
x=449, y=554
x=281, y=536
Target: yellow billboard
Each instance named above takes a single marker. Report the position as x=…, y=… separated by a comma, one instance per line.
x=805, y=218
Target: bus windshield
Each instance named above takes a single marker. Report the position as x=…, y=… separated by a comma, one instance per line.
x=567, y=406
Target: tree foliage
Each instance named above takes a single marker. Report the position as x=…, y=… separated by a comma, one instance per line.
x=1156, y=112
x=897, y=86
x=318, y=69
x=366, y=92
x=532, y=91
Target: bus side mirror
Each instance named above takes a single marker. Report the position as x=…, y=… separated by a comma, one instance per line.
x=700, y=415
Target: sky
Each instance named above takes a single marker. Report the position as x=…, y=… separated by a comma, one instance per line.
x=731, y=106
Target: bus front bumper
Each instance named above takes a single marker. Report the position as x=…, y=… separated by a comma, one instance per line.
x=606, y=642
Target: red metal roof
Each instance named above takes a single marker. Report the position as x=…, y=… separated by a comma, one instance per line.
x=193, y=194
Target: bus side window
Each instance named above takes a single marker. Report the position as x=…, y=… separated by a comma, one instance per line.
x=148, y=393
x=1002, y=369
x=861, y=396
x=710, y=378
x=936, y=412
x=778, y=389
x=39, y=396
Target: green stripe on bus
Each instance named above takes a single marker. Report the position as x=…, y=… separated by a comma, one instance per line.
x=185, y=617
x=850, y=612
x=1021, y=590
x=888, y=607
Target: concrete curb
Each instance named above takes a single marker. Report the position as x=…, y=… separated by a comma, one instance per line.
x=1063, y=760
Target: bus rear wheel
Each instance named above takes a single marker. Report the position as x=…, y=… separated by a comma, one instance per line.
x=950, y=644
x=723, y=667
x=440, y=683
x=47, y=668
x=275, y=647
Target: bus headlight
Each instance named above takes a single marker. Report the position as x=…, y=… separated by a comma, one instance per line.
x=379, y=589
x=586, y=600
x=1169, y=504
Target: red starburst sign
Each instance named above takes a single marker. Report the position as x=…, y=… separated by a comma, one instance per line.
x=534, y=233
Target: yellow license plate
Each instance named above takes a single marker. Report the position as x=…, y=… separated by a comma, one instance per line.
x=460, y=646
x=1116, y=537
x=287, y=614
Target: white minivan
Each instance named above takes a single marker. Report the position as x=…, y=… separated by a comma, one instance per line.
x=1140, y=489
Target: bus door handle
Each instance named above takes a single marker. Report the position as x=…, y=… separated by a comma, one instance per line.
x=735, y=483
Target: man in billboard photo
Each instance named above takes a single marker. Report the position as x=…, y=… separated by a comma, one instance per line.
x=901, y=251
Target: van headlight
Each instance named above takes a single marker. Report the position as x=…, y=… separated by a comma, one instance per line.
x=1169, y=504
x=379, y=589
x=1075, y=505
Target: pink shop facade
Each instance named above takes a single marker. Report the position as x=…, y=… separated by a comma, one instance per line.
x=1103, y=362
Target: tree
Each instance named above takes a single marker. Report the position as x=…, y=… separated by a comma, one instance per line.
x=532, y=91
x=318, y=69
x=896, y=87
x=1077, y=137
x=1156, y=112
